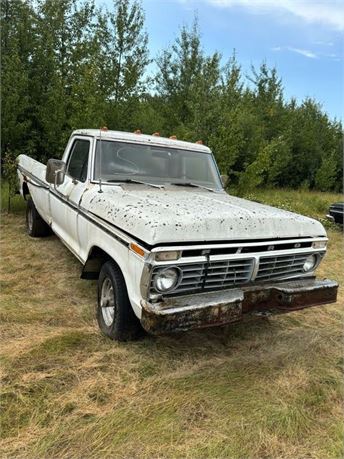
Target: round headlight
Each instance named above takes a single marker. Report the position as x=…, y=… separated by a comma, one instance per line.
x=166, y=279
x=310, y=263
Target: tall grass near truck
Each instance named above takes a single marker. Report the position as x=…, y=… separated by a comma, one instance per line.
x=270, y=389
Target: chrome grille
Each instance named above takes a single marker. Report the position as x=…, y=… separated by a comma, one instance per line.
x=193, y=277
x=281, y=266
x=211, y=275
x=226, y=273
x=218, y=274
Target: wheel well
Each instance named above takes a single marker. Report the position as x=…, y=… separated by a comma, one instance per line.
x=95, y=260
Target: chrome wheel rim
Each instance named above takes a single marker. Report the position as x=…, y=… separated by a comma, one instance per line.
x=107, y=302
x=30, y=220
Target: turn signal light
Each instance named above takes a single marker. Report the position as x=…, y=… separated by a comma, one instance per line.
x=319, y=244
x=168, y=255
x=135, y=248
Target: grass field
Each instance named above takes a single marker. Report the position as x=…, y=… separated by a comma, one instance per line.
x=269, y=389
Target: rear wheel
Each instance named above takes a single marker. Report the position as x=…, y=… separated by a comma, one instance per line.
x=115, y=316
x=35, y=225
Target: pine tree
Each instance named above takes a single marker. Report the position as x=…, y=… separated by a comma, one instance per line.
x=188, y=86
x=15, y=44
x=326, y=174
x=179, y=68
x=124, y=61
x=67, y=64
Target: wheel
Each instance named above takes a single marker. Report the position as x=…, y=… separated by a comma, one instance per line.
x=35, y=225
x=338, y=219
x=115, y=316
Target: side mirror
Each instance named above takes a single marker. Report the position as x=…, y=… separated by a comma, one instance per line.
x=55, y=172
x=224, y=180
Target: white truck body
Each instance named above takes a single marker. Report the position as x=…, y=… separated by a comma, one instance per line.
x=234, y=255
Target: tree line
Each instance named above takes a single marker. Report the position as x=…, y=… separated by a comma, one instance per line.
x=67, y=64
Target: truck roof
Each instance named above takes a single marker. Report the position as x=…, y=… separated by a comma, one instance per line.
x=143, y=139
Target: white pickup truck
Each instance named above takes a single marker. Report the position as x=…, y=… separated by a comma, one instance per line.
x=149, y=218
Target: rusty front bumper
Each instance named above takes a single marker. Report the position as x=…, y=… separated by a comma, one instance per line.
x=226, y=306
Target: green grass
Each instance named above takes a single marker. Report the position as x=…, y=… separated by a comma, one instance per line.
x=265, y=389
x=314, y=204
x=17, y=203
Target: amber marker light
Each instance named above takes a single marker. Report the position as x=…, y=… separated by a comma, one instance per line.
x=104, y=128
x=138, y=131
x=156, y=134
x=173, y=137
x=200, y=142
x=135, y=248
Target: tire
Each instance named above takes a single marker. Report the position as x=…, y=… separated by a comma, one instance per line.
x=338, y=219
x=35, y=225
x=117, y=320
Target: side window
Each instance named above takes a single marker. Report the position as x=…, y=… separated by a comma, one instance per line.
x=78, y=159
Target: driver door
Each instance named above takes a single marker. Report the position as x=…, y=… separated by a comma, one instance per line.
x=65, y=199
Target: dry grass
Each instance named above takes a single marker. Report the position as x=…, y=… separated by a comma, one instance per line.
x=268, y=389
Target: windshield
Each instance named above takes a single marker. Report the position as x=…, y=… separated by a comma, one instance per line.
x=158, y=165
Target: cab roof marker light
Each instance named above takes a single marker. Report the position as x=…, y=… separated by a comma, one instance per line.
x=156, y=134
x=199, y=142
x=137, y=249
x=104, y=128
x=137, y=131
x=173, y=137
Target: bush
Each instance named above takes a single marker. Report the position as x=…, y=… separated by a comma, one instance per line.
x=10, y=174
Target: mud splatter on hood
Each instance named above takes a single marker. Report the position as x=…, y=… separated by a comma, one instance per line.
x=157, y=216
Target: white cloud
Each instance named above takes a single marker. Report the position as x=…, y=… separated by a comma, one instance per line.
x=329, y=12
x=307, y=52
x=303, y=52
x=324, y=43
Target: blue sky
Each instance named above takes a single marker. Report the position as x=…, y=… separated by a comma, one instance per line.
x=302, y=38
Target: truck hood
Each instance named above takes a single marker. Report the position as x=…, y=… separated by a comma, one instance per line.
x=181, y=215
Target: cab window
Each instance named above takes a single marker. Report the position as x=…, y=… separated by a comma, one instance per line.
x=78, y=159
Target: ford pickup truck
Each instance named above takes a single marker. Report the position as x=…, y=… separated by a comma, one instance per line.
x=149, y=219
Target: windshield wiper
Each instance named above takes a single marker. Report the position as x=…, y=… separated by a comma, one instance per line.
x=135, y=181
x=195, y=185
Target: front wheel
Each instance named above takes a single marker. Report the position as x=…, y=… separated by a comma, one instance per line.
x=115, y=316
